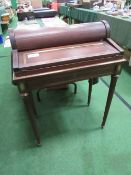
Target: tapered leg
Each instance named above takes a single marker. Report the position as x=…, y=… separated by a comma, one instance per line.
x=109, y=98
x=38, y=95
x=89, y=91
x=27, y=101
x=75, y=88
x=32, y=103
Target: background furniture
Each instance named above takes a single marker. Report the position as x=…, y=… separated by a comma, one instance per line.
x=120, y=27
x=38, y=13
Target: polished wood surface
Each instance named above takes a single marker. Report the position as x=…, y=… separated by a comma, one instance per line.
x=64, y=55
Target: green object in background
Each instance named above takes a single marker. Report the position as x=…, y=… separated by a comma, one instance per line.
x=128, y=2
x=46, y=2
x=14, y=4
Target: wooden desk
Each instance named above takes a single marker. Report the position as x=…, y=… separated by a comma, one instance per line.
x=65, y=69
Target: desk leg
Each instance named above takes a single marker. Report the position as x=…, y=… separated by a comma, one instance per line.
x=109, y=98
x=28, y=104
x=32, y=103
x=89, y=91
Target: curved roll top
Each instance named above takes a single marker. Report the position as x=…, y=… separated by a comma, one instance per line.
x=46, y=37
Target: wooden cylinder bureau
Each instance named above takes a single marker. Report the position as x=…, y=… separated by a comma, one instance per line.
x=60, y=55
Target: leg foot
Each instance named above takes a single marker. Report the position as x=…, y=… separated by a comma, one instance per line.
x=102, y=127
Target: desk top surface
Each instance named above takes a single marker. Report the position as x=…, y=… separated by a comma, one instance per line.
x=65, y=54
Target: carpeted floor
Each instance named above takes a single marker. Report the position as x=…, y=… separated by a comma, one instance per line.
x=72, y=141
